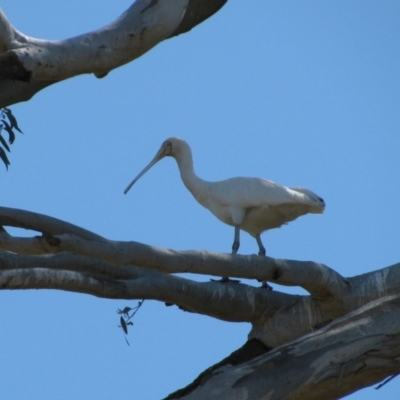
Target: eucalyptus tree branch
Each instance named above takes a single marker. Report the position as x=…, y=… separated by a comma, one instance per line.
x=43, y=223
x=231, y=302
x=318, y=279
x=66, y=247
x=321, y=281
x=352, y=352
x=28, y=65
x=143, y=25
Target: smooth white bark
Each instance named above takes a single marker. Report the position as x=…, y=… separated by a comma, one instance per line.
x=321, y=281
x=137, y=30
x=352, y=352
x=28, y=65
x=356, y=346
x=276, y=318
x=231, y=302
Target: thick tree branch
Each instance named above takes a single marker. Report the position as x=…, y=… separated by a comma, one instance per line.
x=28, y=65
x=251, y=349
x=275, y=319
x=232, y=302
x=137, y=30
x=322, y=282
x=229, y=302
x=353, y=352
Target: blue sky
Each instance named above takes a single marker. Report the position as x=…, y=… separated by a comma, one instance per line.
x=302, y=93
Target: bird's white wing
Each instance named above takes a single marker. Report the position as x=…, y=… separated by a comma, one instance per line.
x=251, y=192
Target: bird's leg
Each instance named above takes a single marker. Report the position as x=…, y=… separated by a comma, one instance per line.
x=261, y=247
x=236, y=240
x=235, y=248
x=262, y=252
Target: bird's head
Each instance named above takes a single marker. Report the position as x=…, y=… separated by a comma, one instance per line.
x=173, y=147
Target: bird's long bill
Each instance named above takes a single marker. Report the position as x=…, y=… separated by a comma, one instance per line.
x=160, y=154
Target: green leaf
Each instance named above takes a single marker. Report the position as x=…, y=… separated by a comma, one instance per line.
x=4, y=158
x=4, y=143
x=9, y=130
x=12, y=119
x=123, y=325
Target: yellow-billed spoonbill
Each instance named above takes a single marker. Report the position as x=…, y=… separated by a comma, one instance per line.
x=250, y=204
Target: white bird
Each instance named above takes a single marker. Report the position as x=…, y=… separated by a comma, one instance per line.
x=249, y=204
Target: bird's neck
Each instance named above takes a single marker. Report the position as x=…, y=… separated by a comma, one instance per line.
x=195, y=185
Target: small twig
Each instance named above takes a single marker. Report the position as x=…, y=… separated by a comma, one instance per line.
x=125, y=318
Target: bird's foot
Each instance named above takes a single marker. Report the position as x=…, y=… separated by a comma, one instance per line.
x=264, y=285
x=225, y=279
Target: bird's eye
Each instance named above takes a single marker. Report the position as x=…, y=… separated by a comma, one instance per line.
x=167, y=146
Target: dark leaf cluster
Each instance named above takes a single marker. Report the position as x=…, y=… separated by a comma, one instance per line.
x=126, y=315
x=8, y=124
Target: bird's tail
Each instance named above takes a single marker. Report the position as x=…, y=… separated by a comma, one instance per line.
x=315, y=201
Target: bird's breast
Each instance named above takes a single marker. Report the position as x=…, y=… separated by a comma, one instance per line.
x=220, y=210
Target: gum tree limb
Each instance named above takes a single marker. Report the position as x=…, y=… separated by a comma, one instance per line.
x=28, y=65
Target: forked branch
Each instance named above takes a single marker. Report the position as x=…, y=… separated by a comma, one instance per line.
x=321, y=281
x=68, y=257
